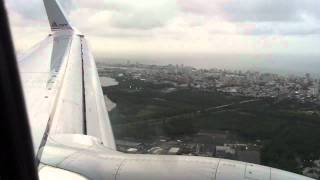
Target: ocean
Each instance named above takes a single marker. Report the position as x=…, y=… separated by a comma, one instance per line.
x=279, y=64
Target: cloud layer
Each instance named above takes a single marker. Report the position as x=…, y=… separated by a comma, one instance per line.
x=179, y=26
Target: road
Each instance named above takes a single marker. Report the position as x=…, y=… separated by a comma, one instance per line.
x=159, y=121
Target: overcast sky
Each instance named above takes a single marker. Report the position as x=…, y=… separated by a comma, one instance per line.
x=179, y=26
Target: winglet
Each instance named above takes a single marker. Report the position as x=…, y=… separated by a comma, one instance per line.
x=57, y=18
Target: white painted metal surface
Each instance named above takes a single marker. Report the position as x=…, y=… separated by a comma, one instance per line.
x=35, y=72
x=94, y=161
x=235, y=170
x=254, y=171
x=51, y=173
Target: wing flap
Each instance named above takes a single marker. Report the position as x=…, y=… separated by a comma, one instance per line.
x=98, y=122
x=68, y=117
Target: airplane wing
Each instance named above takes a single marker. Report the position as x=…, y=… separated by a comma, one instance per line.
x=61, y=85
x=71, y=131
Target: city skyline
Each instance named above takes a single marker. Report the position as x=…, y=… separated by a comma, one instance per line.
x=237, y=82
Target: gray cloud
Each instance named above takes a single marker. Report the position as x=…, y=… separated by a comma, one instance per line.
x=34, y=9
x=30, y=10
x=121, y=34
x=182, y=21
x=261, y=10
x=260, y=17
x=305, y=27
x=287, y=32
x=271, y=10
x=253, y=10
x=139, y=20
x=141, y=14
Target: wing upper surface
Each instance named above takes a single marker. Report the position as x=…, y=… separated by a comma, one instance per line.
x=34, y=72
x=61, y=85
x=62, y=90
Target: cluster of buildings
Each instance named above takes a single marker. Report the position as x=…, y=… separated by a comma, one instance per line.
x=212, y=144
x=251, y=84
x=220, y=145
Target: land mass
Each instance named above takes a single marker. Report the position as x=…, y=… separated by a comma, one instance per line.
x=285, y=132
